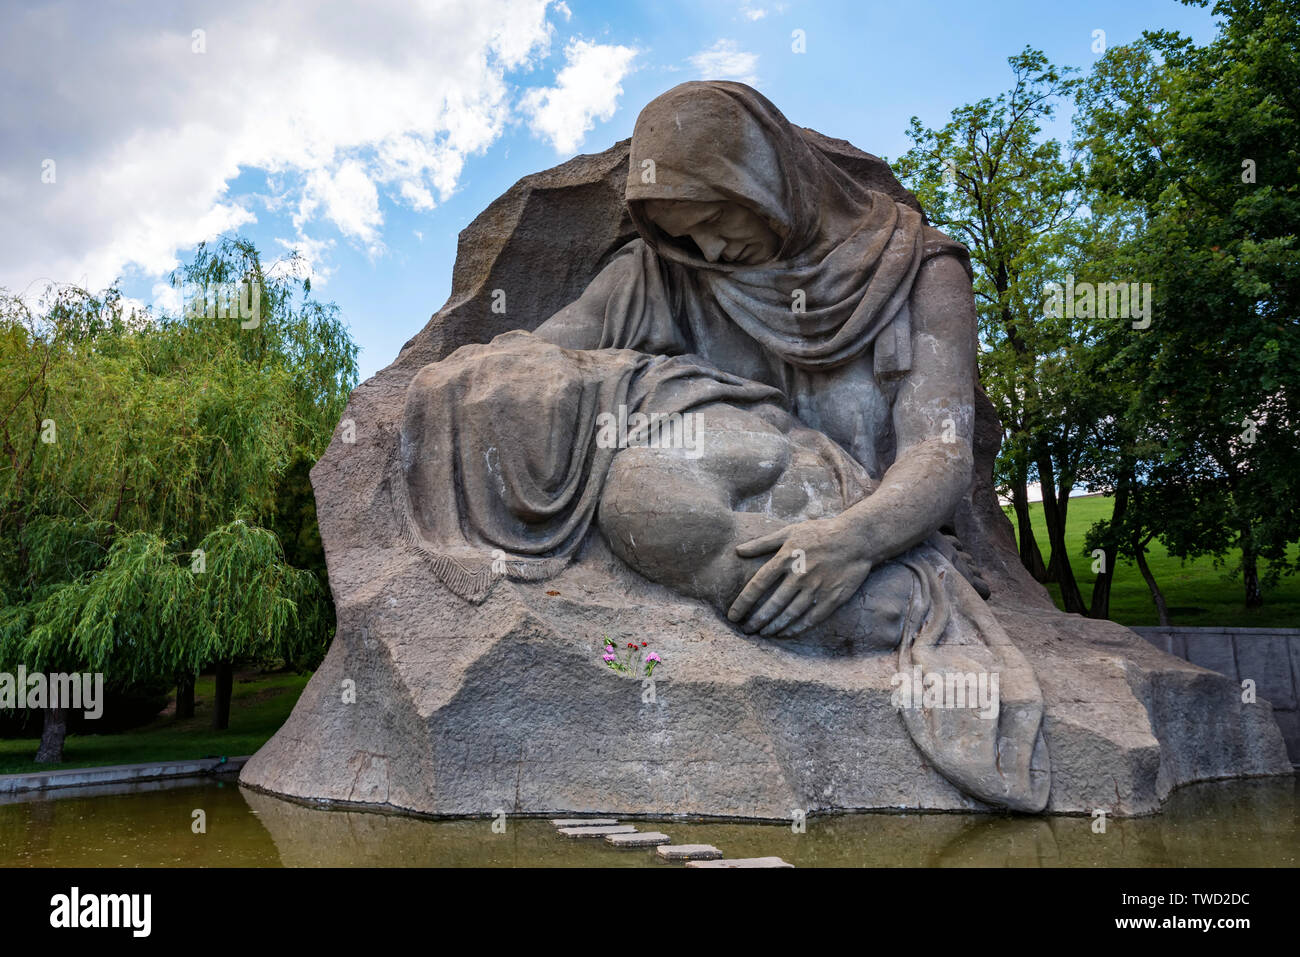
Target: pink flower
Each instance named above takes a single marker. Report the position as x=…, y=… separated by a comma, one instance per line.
x=653, y=657
x=608, y=657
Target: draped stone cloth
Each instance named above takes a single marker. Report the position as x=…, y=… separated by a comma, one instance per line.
x=503, y=473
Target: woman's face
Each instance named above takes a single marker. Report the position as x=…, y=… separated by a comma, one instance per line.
x=724, y=231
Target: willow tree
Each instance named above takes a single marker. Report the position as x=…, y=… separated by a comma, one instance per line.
x=144, y=459
x=252, y=602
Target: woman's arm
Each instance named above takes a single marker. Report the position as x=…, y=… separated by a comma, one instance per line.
x=934, y=423
x=934, y=418
x=627, y=306
x=578, y=325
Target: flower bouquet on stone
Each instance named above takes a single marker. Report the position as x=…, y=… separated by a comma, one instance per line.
x=629, y=661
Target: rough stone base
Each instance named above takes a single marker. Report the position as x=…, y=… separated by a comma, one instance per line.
x=467, y=710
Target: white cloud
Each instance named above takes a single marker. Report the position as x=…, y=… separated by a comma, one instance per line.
x=587, y=89
x=753, y=13
x=339, y=106
x=350, y=200
x=166, y=298
x=310, y=260
x=725, y=61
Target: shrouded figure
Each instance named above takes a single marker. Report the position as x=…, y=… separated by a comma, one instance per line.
x=824, y=336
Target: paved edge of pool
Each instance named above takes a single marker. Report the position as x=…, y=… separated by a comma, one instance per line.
x=118, y=774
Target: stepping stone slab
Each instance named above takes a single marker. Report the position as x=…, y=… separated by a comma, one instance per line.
x=643, y=839
x=584, y=822
x=740, y=862
x=689, y=852
x=598, y=831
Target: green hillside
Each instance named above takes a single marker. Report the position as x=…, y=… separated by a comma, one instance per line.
x=1198, y=593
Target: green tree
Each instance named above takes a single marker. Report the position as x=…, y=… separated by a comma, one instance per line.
x=1206, y=142
x=145, y=460
x=990, y=179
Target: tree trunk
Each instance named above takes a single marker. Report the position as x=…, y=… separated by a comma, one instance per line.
x=185, y=694
x=1062, y=503
x=221, y=699
x=1140, y=554
x=53, y=734
x=1030, y=556
x=1250, y=571
x=1058, y=565
x=1100, y=607
x=1064, y=488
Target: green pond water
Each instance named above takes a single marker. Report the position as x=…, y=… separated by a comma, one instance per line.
x=1244, y=823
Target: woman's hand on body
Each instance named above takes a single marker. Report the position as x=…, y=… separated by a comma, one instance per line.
x=817, y=566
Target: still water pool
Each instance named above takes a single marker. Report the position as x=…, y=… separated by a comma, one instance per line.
x=1236, y=824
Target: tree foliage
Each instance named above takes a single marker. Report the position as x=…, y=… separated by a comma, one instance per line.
x=991, y=179
x=146, y=460
x=1205, y=143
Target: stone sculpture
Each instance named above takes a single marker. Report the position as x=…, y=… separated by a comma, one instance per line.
x=737, y=412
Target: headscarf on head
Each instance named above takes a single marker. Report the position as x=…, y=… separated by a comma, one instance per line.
x=850, y=253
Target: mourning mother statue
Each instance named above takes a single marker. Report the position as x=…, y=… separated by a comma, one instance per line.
x=822, y=337
x=710, y=394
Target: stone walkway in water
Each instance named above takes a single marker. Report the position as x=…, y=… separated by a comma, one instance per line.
x=625, y=835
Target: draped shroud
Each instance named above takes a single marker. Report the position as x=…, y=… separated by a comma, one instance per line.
x=849, y=252
x=503, y=472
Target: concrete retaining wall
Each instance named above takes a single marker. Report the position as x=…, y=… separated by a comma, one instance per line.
x=11, y=784
x=1268, y=656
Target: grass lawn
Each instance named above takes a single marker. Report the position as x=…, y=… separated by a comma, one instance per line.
x=1197, y=592
x=260, y=704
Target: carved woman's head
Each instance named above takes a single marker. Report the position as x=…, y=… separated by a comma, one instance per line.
x=718, y=179
x=722, y=231
x=808, y=258
x=708, y=179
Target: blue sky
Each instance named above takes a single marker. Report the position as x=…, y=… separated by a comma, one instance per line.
x=369, y=137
